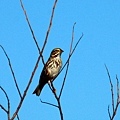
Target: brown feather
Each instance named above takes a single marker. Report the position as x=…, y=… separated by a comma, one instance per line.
x=50, y=70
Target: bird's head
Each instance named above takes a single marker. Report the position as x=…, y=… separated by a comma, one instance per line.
x=56, y=52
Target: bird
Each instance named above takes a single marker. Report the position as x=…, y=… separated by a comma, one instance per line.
x=50, y=70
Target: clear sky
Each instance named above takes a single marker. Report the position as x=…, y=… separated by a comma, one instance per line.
x=86, y=94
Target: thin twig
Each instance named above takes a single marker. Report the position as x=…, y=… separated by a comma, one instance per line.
x=60, y=109
x=3, y=108
x=67, y=62
x=26, y=90
x=40, y=52
x=115, y=111
x=117, y=104
x=18, y=117
x=58, y=101
x=48, y=103
x=34, y=38
x=109, y=113
x=8, y=101
x=115, y=108
x=76, y=45
x=52, y=88
x=10, y=65
x=70, y=55
x=118, y=94
x=111, y=88
x=29, y=25
x=49, y=27
x=58, y=98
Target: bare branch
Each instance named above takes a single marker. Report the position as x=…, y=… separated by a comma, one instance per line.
x=3, y=108
x=72, y=52
x=68, y=61
x=10, y=65
x=34, y=38
x=29, y=25
x=7, y=111
x=118, y=94
x=48, y=103
x=70, y=55
x=60, y=109
x=115, y=108
x=115, y=111
x=50, y=24
x=118, y=102
x=58, y=101
x=109, y=113
x=18, y=117
x=40, y=52
x=26, y=90
x=52, y=88
x=76, y=45
x=112, y=93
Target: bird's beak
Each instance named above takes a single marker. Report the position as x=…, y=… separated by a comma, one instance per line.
x=62, y=51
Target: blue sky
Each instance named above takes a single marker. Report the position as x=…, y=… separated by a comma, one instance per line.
x=86, y=94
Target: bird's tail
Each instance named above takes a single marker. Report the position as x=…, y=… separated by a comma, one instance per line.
x=38, y=89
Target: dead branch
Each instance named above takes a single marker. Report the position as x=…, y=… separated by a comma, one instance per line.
x=114, y=107
x=10, y=65
x=48, y=103
x=36, y=65
x=18, y=117
x=118, y=91
x=25, y=92
x=3, y=108
x=70, y=55
x=8, y=104
x=67, y=63
x=58, y=101
x=34, y=38
x=49, y=27
x=32, y=32
x=40, y=52
x=111, y=87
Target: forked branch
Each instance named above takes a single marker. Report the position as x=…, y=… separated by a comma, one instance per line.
x=50, y=25
x=57, y=97
x=8, y=104
x=10, y=65
x=114, y=107
x=31, y=30
x=40, y=54
x=71, y=45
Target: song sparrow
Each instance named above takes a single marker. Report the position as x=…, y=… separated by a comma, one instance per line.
x=50, y=70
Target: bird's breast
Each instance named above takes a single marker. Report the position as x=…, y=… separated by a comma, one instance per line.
x=54, y=67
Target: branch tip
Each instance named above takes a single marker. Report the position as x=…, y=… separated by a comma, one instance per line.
x=11, y=69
